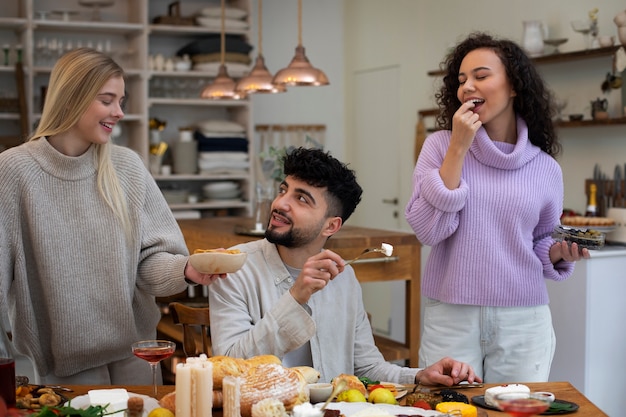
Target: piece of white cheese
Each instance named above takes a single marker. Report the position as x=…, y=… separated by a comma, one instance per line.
x=387, y=249
x=491, y=393
x=115, y=399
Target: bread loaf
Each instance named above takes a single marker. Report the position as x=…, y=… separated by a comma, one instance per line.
x=261, y=360
x=272, y=381
x=226, y=366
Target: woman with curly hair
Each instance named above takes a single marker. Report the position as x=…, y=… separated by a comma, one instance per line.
x=487, y=193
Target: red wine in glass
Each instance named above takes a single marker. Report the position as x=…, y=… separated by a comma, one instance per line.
x=522, y=404
x=154, y=351
x=7, y=381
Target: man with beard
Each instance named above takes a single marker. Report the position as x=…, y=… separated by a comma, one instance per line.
x=298, y=301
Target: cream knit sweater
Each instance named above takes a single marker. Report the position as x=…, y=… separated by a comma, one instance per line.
x=78, y=291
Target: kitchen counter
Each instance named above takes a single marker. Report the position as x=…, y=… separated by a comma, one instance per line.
x=588, y=313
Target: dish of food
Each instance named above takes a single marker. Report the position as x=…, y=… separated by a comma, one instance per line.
x=557, y=407
x=398, y=390
x=34, y=397
x=585, y=238
x=149, y=403
x=217, y=261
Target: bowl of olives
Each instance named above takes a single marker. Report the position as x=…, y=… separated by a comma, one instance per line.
x=584, y=238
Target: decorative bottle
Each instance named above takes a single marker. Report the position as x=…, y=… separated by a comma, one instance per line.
x=592, y=206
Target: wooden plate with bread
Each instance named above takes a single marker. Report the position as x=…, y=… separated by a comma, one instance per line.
x=217, y=261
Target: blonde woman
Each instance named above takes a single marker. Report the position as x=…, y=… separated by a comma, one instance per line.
x=86, y=239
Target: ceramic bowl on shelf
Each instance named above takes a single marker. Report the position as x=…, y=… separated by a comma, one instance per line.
x=575, y=117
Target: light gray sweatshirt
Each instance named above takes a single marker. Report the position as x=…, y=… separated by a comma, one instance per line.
x=78, y=291
x=253, y=313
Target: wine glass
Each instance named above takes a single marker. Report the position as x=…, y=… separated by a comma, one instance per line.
x=583, y=27
x=524, y=404
x=154, y=351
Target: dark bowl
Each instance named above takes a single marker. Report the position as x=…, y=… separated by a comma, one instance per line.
x=575, y=117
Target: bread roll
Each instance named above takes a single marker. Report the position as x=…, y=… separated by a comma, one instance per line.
x=311, y=375
x=352, y=382
x=272, y=381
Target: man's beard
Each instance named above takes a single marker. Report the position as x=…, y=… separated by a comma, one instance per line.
x=293, y=238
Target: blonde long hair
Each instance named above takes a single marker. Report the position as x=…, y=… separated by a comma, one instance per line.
x=75, y=81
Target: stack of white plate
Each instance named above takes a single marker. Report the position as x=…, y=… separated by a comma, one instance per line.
x=221, y=190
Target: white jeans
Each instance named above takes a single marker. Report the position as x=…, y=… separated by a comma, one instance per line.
x=130, y=371
x=503, y=344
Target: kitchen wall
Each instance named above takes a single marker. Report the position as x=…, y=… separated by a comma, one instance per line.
x=348, y=36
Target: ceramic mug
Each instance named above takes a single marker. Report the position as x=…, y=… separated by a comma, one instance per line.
x=606, y=41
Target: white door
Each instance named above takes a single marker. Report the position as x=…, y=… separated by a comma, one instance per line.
x=375, y=102
x=377, y=166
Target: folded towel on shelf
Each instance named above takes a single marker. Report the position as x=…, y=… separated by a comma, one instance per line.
x=220, y=125
x=220, y=144
x=215, y=23
x=220, y=166
x=210, y=134
x=212, y=43
x=223, y=156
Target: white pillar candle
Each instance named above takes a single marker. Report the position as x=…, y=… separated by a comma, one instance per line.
x=204, y=389
x=231, y=391
x=183, y=390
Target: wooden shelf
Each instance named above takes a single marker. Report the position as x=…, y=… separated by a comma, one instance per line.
x=559, y=58
x=584, y=123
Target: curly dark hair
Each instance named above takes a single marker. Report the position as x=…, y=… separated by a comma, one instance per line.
x=319, y=169
x=534, y=102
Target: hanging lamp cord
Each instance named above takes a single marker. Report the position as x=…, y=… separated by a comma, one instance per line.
x=299, y=22
x=261, y=27
x=223, y=35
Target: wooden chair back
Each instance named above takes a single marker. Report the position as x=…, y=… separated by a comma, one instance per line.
x=192, y=318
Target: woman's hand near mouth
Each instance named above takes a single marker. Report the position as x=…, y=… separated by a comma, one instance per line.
x=465, y=124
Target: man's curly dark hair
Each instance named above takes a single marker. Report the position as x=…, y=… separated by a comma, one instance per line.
x=534, y=102
x=319, y=169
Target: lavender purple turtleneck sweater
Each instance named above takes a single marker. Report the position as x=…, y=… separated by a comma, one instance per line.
x=491, y=236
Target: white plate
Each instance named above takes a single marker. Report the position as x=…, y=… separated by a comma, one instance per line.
x=149, y=403
x=400, y=390
x=348, y=409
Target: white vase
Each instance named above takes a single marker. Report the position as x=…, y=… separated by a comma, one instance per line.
x=621, y=34
x=534, y=32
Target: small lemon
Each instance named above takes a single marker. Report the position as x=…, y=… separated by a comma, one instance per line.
x=351, y=396
x=160, y=412
x=382, y=396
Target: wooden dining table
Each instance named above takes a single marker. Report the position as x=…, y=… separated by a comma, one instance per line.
x=562, y=391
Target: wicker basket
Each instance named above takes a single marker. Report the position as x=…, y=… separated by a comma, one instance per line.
x=174, y=17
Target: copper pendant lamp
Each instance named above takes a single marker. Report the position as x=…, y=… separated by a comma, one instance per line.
x=222, y=87
x=260, y=79
x=300, y=72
